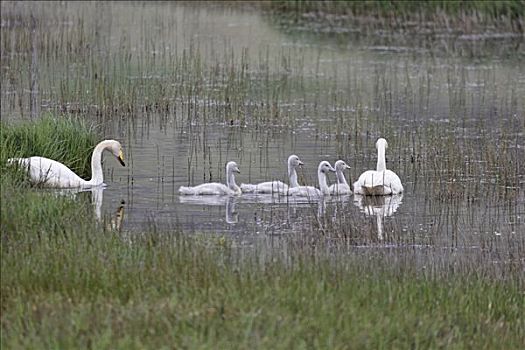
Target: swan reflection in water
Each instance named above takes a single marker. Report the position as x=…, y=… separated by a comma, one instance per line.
x=229, y=202
x=97, y=198
x=378, y=206
x=296, y=204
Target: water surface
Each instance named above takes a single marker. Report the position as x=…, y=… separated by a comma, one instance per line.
x=255, y=91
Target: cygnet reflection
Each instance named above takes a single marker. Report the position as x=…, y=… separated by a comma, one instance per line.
x=229, y=203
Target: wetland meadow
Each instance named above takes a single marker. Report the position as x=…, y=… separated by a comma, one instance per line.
x=186, y=87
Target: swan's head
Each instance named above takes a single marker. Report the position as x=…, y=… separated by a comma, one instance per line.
x=294, y=161
x=325, y=167
x=116, y=149
x=381, y=143
x=232, y=167
x=341, y=165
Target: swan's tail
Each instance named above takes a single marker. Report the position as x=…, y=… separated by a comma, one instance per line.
x=247, y=188
x=21, y=162
x=12, y=161
x=379, y=190
x=186, y=190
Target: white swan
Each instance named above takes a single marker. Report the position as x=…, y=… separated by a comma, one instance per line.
x=215, y=188
x=51, y=173
x=341, y=187
x=276, y=186
x=381, y=181
x=310, y=191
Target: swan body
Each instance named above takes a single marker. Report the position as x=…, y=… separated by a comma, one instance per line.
x=341, y=187
x=50, y=173
x=381, y=181
x=265, y=187
x=276, y=186
x=215, y=188
x=310, y=191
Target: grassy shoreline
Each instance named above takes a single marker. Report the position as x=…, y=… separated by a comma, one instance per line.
x=409, y=16
x=93, y=289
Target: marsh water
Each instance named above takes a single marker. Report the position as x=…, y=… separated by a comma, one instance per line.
x=208, y=84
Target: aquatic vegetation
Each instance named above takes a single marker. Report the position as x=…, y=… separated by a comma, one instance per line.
x=409, y=16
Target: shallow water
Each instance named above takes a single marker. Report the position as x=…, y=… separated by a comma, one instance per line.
x=331, y=95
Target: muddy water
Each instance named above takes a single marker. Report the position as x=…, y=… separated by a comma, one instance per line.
x=338, y=94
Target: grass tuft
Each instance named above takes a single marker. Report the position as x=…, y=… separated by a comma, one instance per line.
x=67, y=140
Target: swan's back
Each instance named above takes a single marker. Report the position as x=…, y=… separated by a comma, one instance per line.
x=265, y=187
x=393, y=181
x=378, y=183
x=48, y=172
x=304, y=191
x=212, y=188
x=340, y=189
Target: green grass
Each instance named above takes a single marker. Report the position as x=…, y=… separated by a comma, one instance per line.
x=91, y=289
x=26, y=209
x=67, y=140
x=441, y=15
x=67, y=283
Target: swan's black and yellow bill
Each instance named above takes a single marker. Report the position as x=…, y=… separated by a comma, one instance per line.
x=121, y=158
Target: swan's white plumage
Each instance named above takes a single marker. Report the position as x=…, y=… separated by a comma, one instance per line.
x=276, y=186
x=381, y=181
x=305, y=191
x=341, y=187
x=265, y=187
x=215, y=188
x=310, y=191
x=50, y=173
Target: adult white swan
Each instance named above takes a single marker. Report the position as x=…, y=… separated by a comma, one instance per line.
x=51, y=173
x=341, y=187
x=310, y=191
x=215, y=188
x=381, y=181
x=276, y=186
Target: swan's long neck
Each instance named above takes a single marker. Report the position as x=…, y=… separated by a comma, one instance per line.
x=341, y=180
x=381, y=164
x=323, y=186
x=292, y=173
x=230, y=180
x=97, y=176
